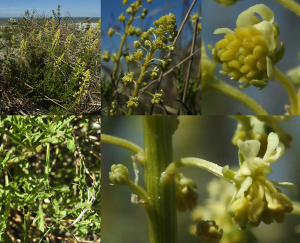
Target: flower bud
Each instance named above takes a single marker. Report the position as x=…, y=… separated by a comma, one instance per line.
x=208, y=232
x=111, y=32
x=136, y=44
x=119, y=175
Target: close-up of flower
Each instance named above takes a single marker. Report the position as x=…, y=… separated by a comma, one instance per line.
x=257, y=199
x=248, y=53
x=252, y=45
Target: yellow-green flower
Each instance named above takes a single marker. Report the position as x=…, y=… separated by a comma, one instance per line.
x=129, y=58
x=111, y=32
x=105, y=57
x=154, y=73
x=128, y=78
x=139, y=54
x=133, y=102
x=256, y=198
x=248, y=53
x=122, y=17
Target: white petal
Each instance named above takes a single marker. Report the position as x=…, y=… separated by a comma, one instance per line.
x=246, y=18
x=249, y=149
x=223, y=31
x=288, y=185
x=274, y=145
x=244, y=186
x=269, y=33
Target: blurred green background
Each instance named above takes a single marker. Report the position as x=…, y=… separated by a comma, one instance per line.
x=273, y=97
x=208, y=138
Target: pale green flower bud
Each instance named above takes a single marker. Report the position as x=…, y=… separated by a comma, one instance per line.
x=119, y=175
x=105, y=57
x=111, y=32
x=138, y=31
x=125, y=2
x=136, y=44
x=145, y=36
x=208, y=232
x=148, y=43
x=149, y=1
x=151, y=31
x=122, y=17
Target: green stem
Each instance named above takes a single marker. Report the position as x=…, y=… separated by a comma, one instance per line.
x=287, y=84
x=202, y=164
x=7, y=197
x=125, y=144
x=123, y=39
x=223, y=88
x=15, y=139
x=158, y=148
x=139, y=191
x=292, y=5
x=30, y=154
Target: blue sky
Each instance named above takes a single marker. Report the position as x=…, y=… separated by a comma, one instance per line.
x=77, y=8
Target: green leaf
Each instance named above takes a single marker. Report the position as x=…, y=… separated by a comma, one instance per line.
x=55, y=204
x=5, y=238
x=61, y=189
x=71, y=144
x=41, y=217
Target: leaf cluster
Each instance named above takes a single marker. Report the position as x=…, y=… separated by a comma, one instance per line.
x=43, y=191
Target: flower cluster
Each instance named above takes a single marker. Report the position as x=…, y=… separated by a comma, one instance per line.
x=256, y=198
x=157, y=97
x=248, y=53
x=193, y=20
x=128, y=78
x=133, y=102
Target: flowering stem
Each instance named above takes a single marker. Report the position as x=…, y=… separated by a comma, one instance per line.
x=289, y=88
x=158, y=148
x=202, y=164
x=123, y=39
x=143, y=71
x=226, y=89
x=292, y=5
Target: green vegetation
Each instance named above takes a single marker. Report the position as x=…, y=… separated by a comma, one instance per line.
x=51, y=62
x=50, y=170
